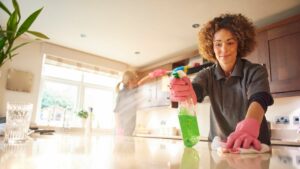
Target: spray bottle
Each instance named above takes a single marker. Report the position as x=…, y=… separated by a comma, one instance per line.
x=187, y=114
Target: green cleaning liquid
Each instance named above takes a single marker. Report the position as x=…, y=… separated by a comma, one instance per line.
x=189, y=127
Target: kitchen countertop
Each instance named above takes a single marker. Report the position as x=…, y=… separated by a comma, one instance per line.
x=285, y=142
x=78, y=151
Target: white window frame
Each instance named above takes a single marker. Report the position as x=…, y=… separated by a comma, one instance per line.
x=80, y=95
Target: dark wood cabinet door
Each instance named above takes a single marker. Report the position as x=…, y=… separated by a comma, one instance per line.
x=259, y=55
x=278, y=49
x=282, y=57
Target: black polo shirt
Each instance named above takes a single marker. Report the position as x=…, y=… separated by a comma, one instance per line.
x=229, y=96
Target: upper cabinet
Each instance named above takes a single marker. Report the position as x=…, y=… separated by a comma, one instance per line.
x=278, y=48
x=155, y=93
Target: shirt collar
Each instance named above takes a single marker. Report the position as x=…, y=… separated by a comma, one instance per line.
x=237, y=70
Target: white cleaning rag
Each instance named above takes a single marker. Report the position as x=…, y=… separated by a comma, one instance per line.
x=219, y=146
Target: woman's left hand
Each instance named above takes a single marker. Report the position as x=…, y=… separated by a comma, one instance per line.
x=245, y=135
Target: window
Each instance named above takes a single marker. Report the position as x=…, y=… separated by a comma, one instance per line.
x=57, y=104
x=65, y=91
x=61, y=73
x=101, y=100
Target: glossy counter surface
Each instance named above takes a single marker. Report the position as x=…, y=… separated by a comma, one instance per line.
x=66, y=151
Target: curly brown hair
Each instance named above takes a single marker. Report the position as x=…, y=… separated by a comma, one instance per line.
x=240, y=26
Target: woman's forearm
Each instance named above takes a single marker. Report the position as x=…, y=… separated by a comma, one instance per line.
x=255, y=111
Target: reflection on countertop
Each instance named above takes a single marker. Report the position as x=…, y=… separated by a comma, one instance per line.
x=79, y=151
x=284, y=142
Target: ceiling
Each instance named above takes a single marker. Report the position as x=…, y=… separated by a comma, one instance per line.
x=156, y=29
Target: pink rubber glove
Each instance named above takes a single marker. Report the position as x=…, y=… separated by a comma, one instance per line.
x=182, y=89
x=158, y=73
x=245, y=135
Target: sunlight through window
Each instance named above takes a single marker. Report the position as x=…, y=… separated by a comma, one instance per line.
x=65, y=91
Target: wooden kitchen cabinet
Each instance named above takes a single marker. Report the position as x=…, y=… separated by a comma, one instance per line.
x=154, y=94
x=163, y=92
x=278, y=48
x=145, y=93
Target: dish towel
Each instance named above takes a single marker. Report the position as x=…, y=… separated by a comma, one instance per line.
x=219, y=146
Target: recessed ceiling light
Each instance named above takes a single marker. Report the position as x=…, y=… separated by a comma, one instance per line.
x=137, y=52
x=82, y=35
x=196, y=25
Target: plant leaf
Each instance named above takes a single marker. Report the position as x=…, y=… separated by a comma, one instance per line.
x=11, y=56
x=18, y=46
x=2, y=6
x=38, y=34
x=28, y=22
x=17, y=9
x=2, y=42
x=1, y=58
x=12, y=25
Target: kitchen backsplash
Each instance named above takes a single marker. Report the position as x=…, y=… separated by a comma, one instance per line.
x=283, y=116
x=284, y=113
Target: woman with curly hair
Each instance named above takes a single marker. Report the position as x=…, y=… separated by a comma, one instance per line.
x=239, y=90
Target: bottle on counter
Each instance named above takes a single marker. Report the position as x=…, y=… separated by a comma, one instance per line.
x=188, y=123
x=187, y=118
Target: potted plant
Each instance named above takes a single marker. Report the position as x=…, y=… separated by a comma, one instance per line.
x=86, y=120
x=83, y=114
x=14, y=29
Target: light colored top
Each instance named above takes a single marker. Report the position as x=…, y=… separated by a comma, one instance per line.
x=126, y=107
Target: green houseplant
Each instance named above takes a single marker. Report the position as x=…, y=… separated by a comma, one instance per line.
x=83, y=114
x=14, y=29
x=86, y=121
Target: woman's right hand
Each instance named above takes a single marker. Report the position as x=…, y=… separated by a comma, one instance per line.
x=158, y=73
x=182, y=89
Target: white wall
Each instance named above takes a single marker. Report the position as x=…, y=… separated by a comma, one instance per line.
x=30, y=59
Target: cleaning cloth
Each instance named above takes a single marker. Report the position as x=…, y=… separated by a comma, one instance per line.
x=219, y=146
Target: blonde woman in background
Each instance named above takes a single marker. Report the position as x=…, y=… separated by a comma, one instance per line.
x=127, y=100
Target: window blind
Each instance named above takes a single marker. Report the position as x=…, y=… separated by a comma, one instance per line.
x=67, y=63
